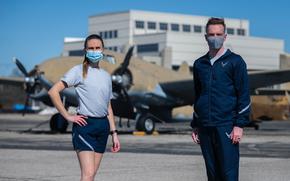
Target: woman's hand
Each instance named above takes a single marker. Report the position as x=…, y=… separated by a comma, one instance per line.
x=116, y=143
x=78, y=119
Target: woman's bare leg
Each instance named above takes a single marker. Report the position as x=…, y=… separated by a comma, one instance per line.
x=87, y=164
x=98, y=159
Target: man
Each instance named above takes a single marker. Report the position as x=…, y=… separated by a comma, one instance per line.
x=222, y=104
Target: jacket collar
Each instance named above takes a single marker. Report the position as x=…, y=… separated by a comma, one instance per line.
x=206, y=57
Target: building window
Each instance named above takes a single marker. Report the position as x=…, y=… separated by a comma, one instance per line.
x=186, y=28
x=76, y=53
x=230, y=31
x=109, y=34
x=139, y=24
x=115, y=33
x=151, y=25
x=163, y=26
x=197, y=29
x=174, y=27
x=241, y=32
x=115, y=49
x=147, y=48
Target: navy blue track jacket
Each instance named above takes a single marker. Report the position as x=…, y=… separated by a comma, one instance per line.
x=221, y=91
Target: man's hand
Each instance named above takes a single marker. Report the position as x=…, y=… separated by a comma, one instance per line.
x=195, y=136
x=236, y=134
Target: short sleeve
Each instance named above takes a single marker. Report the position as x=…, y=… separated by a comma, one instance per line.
x=73, y=76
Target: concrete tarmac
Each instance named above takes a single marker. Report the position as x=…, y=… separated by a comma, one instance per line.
x=27, y=153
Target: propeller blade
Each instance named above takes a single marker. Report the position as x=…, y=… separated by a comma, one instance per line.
x=126, y=95
x=45, y=83
x=25, y=105
x=126, y=61
x=20, y=66
x=127, y=98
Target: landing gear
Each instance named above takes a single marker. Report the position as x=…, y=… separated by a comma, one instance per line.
x=146, y=123
x=253, y=124
x=58, y=124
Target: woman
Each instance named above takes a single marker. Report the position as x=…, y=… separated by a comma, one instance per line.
x=95, y=119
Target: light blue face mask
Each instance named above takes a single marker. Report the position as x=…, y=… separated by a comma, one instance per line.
x=94, y=56
x=215, y=42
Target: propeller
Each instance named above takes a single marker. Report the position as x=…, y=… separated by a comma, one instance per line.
x=31, y=84
x=20, y=67
x=126, y=61
x=122, y=77
x=122, y=80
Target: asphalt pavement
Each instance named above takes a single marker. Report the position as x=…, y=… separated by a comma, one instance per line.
x=29, y=151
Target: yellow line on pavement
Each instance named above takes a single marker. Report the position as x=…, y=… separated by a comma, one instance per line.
x=143, y=133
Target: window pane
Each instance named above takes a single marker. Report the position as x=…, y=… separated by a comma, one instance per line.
x=110, y=34
x=175, y=27
x=151, y=25
x=76, y=53
x=139, y=24
x=197, y=29
x=186, y=28
x=147, y=48
x=163, y=26
x=230, y=31
x=241, y=31
x=115, y=33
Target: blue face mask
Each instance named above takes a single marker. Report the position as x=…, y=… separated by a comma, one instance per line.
x=215, y=42
x=94, y=56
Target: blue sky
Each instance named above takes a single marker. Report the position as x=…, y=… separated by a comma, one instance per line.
x=33, y=30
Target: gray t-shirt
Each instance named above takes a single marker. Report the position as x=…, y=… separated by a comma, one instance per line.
x=94, y=92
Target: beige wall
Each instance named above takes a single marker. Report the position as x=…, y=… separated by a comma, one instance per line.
x=285, y=64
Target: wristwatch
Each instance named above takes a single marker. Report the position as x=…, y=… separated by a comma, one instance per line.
x=113, y=131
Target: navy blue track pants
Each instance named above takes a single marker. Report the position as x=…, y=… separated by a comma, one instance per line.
x=220, y=154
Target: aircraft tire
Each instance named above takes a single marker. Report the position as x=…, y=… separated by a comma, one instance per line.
x=58, y=124
x=146, y=123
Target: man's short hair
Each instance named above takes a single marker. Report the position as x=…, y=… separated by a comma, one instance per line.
x=216, y=21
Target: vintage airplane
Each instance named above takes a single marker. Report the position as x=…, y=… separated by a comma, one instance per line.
x=146, y=107
x=125, y=104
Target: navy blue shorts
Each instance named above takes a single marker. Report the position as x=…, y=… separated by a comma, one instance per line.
x=93, y=136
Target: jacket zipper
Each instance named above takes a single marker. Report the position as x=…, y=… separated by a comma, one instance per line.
x=209, y=93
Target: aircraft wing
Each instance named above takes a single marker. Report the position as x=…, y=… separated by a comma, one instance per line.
x=184, y=90
x=268, y=78
x=181, y=91
x=261, y=92
x=142, y=100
